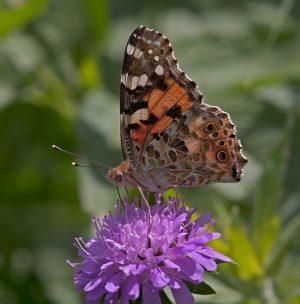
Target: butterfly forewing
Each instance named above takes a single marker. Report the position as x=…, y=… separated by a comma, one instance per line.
x=153, y=90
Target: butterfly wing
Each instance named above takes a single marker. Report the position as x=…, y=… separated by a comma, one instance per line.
x=153, y=91
x=166, y=128
x=197, y=149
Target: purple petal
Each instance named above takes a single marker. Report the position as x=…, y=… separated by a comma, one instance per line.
x=111, y=297
x=131, y=288
x=182, y=250
x=201, y=239
x=216, y=235
x=183, y=276
x=174, y=284
x=135, y=269
x=159, y=278
x=127, y=228
x=90, y=267
x=120, y=257
x=170, y=264
x=206, y=262
x=104, y=266
x=178, y=221
x=150, y=295
x=182, y=294
x=203, y=219
x=102, y=279
x=140, y=269
x=114, y=283
x=131, y=253
x=124, y=299
x=212, y=253
x=127, y=269
x=148, y=253
x=96, y=293
x=82, y=253
x=190, y=268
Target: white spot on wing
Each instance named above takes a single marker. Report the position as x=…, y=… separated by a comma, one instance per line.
x=143, y=80
x=150, y=51
x=141, y=114
x=134, y=82
x=130, y=49
x=159, y=70
x=156, y=58
x=124, y=78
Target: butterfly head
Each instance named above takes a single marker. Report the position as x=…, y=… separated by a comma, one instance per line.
x=116, y=177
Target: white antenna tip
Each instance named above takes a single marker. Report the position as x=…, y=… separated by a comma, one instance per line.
x=56, y=147
x=74, y=164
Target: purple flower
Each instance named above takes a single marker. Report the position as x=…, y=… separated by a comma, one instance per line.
x=136, y=255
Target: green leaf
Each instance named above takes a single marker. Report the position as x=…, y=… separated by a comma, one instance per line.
x=18, y=17
x=292, y=183
x=98, y=16
x=266, y=223
x=243, y=251
x=201, y=289
x=164, y=298
x=282, y=245
x=102, y=299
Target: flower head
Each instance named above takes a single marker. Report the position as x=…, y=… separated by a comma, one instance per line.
x=136, y=255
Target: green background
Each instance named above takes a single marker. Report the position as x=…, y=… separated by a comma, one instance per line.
x=60, y=63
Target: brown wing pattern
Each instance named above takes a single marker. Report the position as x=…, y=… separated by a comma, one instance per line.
x=166, y=129
x=199, y=148
x=153, y=91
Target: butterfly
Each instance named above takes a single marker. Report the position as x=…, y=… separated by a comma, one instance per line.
x=170, y=137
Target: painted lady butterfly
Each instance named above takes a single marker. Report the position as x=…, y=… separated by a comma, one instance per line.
x=169, y=136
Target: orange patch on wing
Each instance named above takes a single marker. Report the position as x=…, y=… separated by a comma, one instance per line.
x=184, y=103
x=139, y=135
x=161, y=124
x=160, y=102
x=166, y=102
x=154, y=97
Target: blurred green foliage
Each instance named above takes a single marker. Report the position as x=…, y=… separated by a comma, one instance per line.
x=60, y=65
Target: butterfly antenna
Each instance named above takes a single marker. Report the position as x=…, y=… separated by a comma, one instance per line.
x=85, y=158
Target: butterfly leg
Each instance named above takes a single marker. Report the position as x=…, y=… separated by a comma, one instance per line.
x=176, y=190
x=128, y=194
x=148, y=206
x=120, y=196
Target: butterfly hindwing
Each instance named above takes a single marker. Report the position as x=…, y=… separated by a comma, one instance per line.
x=196, y=150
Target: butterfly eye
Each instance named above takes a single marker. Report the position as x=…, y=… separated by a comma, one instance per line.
x=209, y=127
x=119, y=177
x=222, y=156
